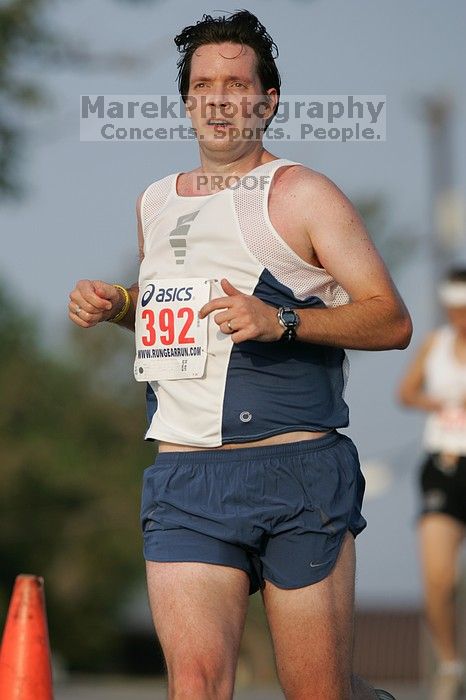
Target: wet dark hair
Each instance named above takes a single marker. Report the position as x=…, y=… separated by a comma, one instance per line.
x=241, y=27
x=456, y=274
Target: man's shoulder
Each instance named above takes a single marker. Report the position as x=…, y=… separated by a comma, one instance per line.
x=306, y=183
x=303, y=178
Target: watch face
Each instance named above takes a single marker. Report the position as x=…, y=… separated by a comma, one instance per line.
x=288, y=316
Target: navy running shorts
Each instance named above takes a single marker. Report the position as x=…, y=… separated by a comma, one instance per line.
x=279, y=512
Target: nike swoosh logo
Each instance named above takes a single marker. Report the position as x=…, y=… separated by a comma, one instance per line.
x=311, y=563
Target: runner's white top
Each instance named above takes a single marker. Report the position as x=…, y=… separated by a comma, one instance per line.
x=205, y=390
x=445, y=379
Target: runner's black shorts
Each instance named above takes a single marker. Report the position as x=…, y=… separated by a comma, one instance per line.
x=279, y=512
x=443, y=490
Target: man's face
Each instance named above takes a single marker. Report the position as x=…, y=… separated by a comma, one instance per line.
x=226, y=101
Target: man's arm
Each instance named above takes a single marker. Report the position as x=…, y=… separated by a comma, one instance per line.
x=94, y=301
x=375, y=319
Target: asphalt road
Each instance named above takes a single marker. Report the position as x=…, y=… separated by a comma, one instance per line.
x=116, y=689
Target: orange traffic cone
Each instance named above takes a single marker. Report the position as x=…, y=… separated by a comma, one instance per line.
x=25, y=670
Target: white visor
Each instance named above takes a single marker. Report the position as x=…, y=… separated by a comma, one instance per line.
x=453, y=293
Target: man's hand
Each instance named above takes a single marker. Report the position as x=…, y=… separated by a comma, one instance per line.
x=93, y=301
x=243, y=317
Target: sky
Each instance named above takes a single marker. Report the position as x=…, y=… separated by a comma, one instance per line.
x=77, y=219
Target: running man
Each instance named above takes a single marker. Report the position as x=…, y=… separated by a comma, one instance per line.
x=248, y=293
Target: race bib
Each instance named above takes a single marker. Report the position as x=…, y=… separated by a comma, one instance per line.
x=453, y=419
x=171, y=339
x=445, y=430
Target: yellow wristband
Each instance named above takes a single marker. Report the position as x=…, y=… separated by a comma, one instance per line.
x=126, y=304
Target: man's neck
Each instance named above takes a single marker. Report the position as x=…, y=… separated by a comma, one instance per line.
x=225, y=164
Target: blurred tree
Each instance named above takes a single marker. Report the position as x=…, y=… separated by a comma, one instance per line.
x=71, y=462
x=21, y=33
x=26, y=40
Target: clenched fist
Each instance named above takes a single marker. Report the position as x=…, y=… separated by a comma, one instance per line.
x=93, y=301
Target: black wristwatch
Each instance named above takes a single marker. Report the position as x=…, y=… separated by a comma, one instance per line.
x=289, y=319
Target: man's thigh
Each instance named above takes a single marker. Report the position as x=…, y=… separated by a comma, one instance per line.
x=312, y=631
x=199, y=611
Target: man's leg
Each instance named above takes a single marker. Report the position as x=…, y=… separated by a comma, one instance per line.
x=312, y=634
x=199, y=612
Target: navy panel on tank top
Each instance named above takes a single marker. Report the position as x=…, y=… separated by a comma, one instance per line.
x=290, y=386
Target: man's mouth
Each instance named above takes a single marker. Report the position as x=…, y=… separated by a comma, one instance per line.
x=219, y=122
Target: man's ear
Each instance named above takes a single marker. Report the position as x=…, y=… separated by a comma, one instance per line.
x=272, y=98
x=189, y=103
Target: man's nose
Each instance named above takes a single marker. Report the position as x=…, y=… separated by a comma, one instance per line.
x=217, y=99
x=220, y=106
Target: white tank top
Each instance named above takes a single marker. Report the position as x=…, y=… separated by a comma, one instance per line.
x=253, y=389
x=445, y=379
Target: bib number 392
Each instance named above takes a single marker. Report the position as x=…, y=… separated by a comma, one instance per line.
x=163, y=325
x=171, y=340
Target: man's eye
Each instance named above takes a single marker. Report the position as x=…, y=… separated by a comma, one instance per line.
x=199, y=85
x=239, y=84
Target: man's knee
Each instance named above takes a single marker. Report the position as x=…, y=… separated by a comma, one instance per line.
x=200, y=679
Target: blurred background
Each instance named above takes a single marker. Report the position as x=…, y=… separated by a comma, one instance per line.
x=71, y=417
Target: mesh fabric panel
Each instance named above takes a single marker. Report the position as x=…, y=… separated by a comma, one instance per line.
x=266, y=244
x=154, y=199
